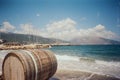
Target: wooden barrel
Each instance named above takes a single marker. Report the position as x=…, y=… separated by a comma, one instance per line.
x=31, y=64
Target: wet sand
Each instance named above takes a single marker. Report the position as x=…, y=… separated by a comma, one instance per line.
x=80, y=75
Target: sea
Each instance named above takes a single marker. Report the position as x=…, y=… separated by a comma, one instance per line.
x=99, y=59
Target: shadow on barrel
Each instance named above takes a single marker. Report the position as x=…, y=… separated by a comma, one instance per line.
x=54, y=78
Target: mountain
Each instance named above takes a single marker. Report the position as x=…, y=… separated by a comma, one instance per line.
x=24, y=38
x=92, y=40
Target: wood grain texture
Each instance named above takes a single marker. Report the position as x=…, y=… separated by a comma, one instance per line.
x=31, y=64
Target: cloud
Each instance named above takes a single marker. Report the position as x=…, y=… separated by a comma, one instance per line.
x=38, y=14
x=28, y=29
x=60, y=29
x=66, y=30
x=100, y=31
x=83, y=19
x=6, y=27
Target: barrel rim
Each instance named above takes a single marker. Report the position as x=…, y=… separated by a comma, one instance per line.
x=48, y=51
x=33, y=58
x=19, y=57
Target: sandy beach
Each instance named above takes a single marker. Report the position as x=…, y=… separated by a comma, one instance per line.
x=79, y=75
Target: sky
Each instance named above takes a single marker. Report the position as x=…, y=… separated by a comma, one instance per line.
x=62, y=19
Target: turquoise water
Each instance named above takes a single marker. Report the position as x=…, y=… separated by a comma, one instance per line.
x=100, y=52
x=101, y=59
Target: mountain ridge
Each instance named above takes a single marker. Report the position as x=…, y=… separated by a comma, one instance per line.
x=25, y=38
x=93, y=41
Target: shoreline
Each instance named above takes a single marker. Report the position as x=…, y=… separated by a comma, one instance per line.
x=80, y=75
x=67, y=74
x=21, y=46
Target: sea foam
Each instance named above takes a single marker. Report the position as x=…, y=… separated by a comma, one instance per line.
x=89, y=65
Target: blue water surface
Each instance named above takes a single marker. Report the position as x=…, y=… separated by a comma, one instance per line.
x=99, y=52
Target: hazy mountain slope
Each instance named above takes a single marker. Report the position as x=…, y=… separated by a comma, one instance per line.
x=92, y=40
x=22, y=38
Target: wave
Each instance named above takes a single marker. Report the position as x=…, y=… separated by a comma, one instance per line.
x=87, y=64
x=66, y=58
x=3, y=53
x=87, y=59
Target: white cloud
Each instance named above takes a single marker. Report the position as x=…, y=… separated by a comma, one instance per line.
x=83, y=19
x=6, y=27
x=66, y=30
x=100, y=31
x=60, y=29
x=28, y=29
x=38, y=14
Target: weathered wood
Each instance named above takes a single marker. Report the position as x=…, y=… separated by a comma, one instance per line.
x=32, y=64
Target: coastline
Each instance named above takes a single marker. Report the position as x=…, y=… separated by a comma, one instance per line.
x=80, y=75
x=77, y=75
x=69, y=74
